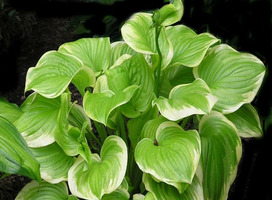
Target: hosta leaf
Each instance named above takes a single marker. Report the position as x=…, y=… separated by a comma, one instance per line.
x=162, y=191
x=105, y=173
x=15, y=155
x=231, y=74
x=119, y=194
x=66, y=136
x=54, y=163
x=185, y=100
x=139, y=34
x=119, y=49
x=247, y=121
x=9, y=111
x=44, y=191
x=148, y=196
x=133, y=71
x=169, y=14
x=99, y=106
x=190, y=48
x=93, y=52
x=38, y=122
x=221, y=150
x=77, y=116
x=172, y=157
x=52, y=74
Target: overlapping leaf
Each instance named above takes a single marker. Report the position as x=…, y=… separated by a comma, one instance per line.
x=9, y=111
x=103, y=175
x=185, y=100
x=172, y=157
x=237, y=76
x=15, y=155
x=221, y=151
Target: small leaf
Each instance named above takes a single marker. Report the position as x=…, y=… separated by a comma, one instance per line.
x=99, y=106
x=189, y=48
x=34, y=190
x=52, y=74
x=119, y=194
x=104, y=175
x=247, y=121
x=172, y=157
x=9, y=111
x=231, y=74
x=39, y=120
x=93, y=52
x=15, y=155
x=221, y=151
x=185, y=100
x=54, y=163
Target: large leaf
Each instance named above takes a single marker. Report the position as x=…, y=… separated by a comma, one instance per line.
x=52, y=74
x=38, y=122
x=247, y=121
x=119, y=49
x=189, y=48
x=103, y=175
x=15, y=155
x=185, y=100
x=237, y=76
x=133, y=71
x=169, y=14
x=44, y=191
x=162, y=191
x=221, y=151
x=139, y=34
x=172, y=157
x=99, y=106
x=54, y=163
x=9, y=111
x=93, y=52
x=119, y=194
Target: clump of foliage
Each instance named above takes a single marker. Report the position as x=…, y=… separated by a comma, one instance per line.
x=162, y=116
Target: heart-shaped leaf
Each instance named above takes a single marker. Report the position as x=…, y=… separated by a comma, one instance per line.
x=15, y=155
x=44, y=191
x=247, y=121
x=93, y=52
x=221, y=151
x=9, y=111
x=231, y=74
x=54, y=163
x=185, y=100
x=172, y=157
x=39, y=120
x=162, y=191
x=189, y=48
x=105, y=173
x=52, y=74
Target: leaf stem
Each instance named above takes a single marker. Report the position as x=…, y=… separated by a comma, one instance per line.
x=122, y=129
x=158, y=69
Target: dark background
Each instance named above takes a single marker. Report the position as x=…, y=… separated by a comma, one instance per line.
x=30, y=28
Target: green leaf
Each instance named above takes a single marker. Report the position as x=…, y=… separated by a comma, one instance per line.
x=172, y=157
x=119, y=194
x=99, y=106
x=185, y=100
x=221, y=151
x=44, y=191
x=15, y=155
x=9, y=111
x=247, y=121
x=189, y=47
x=104, y=175
x=52, y=74
x=39, y=120
x=133, y=71
x=93, y=52
x=85, y=77
x=119, y=49
x=77, y=116
x=163, y=191
x=169, y=14
x=231, y=74
x=54, y=163
x=139, y=33
x=67, y=137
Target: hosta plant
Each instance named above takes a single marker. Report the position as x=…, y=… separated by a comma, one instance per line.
x=162, y=115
